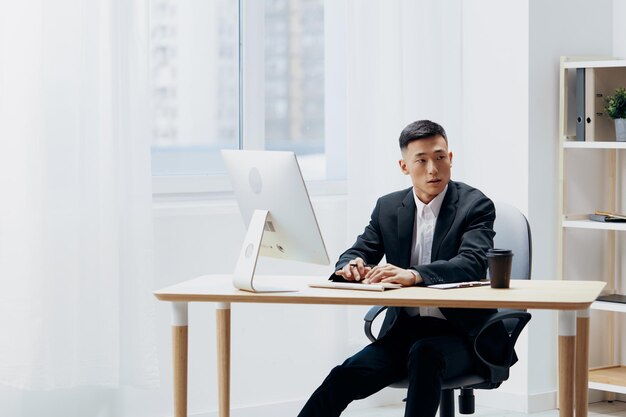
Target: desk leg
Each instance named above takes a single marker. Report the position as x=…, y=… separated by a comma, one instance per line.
x=567, y=344
x=223, y=358
x=179, y=357
x=582, y=363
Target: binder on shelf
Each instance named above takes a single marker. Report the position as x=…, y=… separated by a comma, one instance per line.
x=600, y=83
x=580, y=104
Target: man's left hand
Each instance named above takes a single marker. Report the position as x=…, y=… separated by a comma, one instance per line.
x=393, y=274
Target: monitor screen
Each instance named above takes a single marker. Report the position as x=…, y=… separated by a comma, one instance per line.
x=275, y=205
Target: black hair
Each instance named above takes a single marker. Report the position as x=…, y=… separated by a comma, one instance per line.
x=419, y=130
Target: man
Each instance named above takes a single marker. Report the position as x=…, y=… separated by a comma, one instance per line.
x=437, y=231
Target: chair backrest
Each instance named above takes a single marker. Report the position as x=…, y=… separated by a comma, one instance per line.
x=513, y=232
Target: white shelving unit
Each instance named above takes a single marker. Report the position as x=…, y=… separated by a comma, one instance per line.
x=577, y=199
x=588, y=224
x=594, y=145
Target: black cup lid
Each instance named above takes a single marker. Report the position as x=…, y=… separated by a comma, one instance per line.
x=499, y=252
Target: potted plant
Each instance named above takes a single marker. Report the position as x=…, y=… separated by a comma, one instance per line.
x=616, y=109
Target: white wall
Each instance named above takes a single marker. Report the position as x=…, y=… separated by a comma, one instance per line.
x=619, y=29
x=558, y=28
x=494, y=149
x=495, y=99
x=510, y=81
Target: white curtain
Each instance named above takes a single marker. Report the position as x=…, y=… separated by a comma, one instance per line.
x=75, y=210
x=403, y=63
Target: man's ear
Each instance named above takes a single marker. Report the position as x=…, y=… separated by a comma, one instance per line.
x=403, y=167
x=450, y=156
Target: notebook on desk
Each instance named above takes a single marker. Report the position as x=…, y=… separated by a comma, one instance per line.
x=379, y=286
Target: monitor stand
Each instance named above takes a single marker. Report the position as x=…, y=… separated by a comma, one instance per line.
x=243, y=277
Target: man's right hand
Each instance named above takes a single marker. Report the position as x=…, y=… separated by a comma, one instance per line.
x=355, y=270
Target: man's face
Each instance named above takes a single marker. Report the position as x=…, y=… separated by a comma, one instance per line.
x=428, y=162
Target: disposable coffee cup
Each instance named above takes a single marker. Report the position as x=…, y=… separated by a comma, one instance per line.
x=500, y=261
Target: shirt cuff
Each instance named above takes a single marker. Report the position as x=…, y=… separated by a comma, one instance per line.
x=418, y=277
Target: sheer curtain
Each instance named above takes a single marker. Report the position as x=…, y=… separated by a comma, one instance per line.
x=403, y=64
x=75, y=214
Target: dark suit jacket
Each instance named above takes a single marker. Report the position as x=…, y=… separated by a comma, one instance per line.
x=463, y=234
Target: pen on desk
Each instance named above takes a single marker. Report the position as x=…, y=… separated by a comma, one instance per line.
x=470, y=284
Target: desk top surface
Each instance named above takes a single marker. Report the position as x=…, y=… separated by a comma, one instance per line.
x=537, y=294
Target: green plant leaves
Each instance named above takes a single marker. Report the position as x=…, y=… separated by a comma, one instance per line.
x=616, y=104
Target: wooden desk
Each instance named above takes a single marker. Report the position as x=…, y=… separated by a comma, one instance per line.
x=571, y=298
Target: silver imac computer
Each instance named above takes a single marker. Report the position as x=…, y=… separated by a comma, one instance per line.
x=275, y=205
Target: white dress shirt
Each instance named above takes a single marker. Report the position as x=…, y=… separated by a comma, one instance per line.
x=423, y=233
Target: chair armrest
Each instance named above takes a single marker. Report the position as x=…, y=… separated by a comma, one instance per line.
x=521, y=318
x=369, y=318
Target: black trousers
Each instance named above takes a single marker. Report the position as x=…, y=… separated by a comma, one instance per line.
x=424, y=349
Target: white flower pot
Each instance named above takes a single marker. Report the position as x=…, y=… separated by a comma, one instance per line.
x=620, y=130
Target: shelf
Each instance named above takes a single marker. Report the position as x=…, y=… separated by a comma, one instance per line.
x=608, y=306
x=588, y=224
x=611, y=379
x=599, y=76
x=609, y=63
x=571, y=144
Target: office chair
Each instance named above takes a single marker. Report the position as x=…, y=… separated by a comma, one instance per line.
x=512, y=232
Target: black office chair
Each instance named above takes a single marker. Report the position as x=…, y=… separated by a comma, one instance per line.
x=512, y=232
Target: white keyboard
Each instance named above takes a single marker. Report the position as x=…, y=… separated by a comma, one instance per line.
x=380, y=286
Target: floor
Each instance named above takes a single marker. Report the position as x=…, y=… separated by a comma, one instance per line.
x=601, y=409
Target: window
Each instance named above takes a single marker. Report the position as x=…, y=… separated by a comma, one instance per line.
x=210, y=95
x=195, y=90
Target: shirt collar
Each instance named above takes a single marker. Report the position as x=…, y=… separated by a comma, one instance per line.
x=434, y=205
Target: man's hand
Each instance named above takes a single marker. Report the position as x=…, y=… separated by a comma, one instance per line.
x=355, y=270
x=393, y=274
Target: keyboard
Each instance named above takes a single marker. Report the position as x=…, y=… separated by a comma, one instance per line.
x=379, y=286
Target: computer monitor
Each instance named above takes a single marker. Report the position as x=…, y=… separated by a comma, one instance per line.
x=275, y=205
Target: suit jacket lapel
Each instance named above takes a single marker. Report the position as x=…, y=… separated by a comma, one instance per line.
x=445, y=219
x=406, y=220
